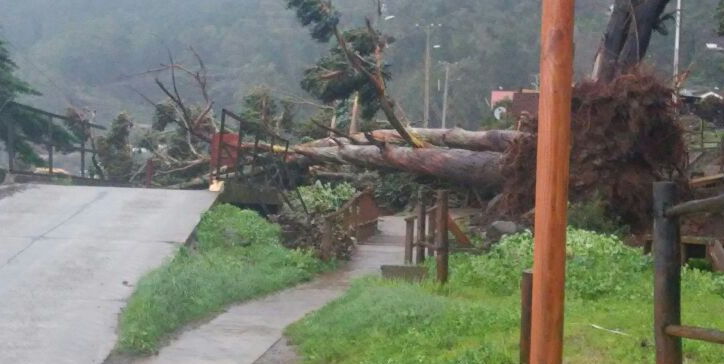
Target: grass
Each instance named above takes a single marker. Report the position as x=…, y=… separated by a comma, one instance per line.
x=475, y=319
x=239, y=256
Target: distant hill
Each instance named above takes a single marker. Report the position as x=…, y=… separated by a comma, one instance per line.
x=85, y=52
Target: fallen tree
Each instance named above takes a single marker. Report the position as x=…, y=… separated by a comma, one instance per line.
x=457, y=138
x=477, y=169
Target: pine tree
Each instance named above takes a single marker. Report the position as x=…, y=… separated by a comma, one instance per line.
x=332, y=78
x=30, y=127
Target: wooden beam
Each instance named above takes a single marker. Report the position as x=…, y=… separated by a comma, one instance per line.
x=714, y=204
x=554, y=145
x=696, y=333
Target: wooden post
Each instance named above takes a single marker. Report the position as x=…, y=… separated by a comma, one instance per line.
x=11, y=144
x=420, y=241
x=148, y=178
x=556, y=70
x=667, y=280
x=432, y=240
x=219, y=148
x=50, y=147
x=443, y=252
x=82, y=159
x=409, y=239
x=526, y=301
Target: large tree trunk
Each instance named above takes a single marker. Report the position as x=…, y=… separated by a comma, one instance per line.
x=492, y=140
x=627, y=37
x=479, y=169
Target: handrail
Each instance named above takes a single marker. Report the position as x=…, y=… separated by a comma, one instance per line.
x=696, y=333
x=713, y=204
x=359, y=218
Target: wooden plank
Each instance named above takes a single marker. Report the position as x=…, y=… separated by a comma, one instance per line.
x=706, y=181
x=421, y=213
x=554, y=142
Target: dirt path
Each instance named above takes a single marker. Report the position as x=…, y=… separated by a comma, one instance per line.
x=252, y=332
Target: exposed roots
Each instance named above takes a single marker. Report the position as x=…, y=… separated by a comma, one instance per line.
x=625, y=136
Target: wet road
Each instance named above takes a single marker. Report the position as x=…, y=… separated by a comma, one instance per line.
x=69, y=257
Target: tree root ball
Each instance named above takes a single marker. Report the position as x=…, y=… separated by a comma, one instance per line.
x=625, y=136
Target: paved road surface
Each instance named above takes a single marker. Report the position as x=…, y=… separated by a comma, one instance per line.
x=69, y=257
x=244, y=333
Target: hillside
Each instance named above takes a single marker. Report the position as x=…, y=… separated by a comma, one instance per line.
x=90, y=53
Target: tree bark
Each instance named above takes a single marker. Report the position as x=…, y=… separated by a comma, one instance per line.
x=481, y=141
x=478, y=169
x=627, y=37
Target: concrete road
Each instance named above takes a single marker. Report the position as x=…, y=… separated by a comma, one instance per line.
x=69, y=258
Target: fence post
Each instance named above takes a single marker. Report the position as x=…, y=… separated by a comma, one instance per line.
x=11, y=144
x=432, y=229
x=148, y=178
x=50, y=147
x=220, y=148
x=667, y=280
x=82, y=158
x=443, y=253
x=420, y=241
x=409, y=239
x=526, y=314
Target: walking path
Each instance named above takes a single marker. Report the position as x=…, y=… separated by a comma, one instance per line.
x=247, y=331
x=69, y=257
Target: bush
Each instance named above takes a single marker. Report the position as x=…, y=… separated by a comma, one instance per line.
x=593, y=215
x=239, y=257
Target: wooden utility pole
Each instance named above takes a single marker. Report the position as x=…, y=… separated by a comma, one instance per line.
x=677, y=43
x=554, y=129
x=444, y=96
x=428, y=56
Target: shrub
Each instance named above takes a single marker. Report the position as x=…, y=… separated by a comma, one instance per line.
x=593, y=215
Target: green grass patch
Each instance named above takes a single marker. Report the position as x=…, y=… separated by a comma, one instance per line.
x=239, y=256
x=475, y=319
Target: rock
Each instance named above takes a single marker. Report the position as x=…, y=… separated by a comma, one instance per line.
x=407, y=273
x=500, y=228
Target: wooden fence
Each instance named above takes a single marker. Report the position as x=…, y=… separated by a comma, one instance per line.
x=667, y=279
x=358, y=218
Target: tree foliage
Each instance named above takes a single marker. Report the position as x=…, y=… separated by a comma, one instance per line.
x=114, y=150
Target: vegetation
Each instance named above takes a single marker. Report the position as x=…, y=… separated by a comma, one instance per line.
x=114, y=150
x=594, y=215
x=29, y=127
x=239, y=256
x=252, y=42
x=475, y=318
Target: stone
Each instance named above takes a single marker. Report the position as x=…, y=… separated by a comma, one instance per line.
x=500, y=228
x=409, y=273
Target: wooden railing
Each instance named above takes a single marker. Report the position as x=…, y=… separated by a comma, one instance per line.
x=427, y=234
x=667, y=280
x=358, y=218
